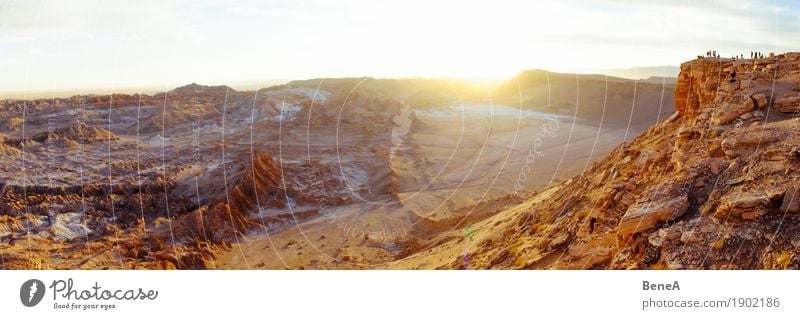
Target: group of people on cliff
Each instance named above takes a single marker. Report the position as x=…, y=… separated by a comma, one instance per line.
x=753, y=55
x=712, y=54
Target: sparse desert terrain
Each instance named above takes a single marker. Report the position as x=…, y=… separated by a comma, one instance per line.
x=547, y=170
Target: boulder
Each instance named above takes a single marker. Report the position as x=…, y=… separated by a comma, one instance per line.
x=645, y=215
x=761, y=100
x=791, y=200
x=669, y=234
x=730, y=111
x=790, y=104
x=729, y=87
x=747, y=205
x=744, y=140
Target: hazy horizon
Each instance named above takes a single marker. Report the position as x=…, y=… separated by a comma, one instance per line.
x=252, y=85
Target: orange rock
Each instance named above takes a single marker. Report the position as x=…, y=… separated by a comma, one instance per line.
x=645, y=215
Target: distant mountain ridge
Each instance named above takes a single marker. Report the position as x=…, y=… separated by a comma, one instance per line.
x=642, y=72
x=594, y=97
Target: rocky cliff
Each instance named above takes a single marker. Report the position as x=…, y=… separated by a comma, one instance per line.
x=715, y=186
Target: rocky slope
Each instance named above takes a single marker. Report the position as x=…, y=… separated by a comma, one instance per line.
x=715, y=186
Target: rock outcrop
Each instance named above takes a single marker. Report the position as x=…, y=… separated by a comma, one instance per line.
x=788, y=102
x=67, y=136
x=645, y=215
x=257, y=184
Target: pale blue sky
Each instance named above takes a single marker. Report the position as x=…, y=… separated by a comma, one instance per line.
x=57, y=45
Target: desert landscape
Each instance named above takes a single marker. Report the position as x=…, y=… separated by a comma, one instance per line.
x=543, y=171
x=466, y=159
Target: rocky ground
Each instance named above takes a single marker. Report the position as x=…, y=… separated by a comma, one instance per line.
x=363, y=173
x=715, y=186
